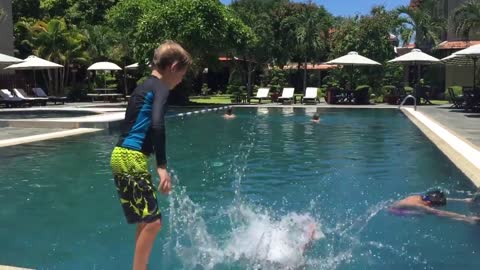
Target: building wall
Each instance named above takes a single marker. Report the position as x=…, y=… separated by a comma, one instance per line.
x=458, y=75
x=6, y=29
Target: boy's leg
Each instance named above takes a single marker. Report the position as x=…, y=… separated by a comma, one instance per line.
x=144, y=243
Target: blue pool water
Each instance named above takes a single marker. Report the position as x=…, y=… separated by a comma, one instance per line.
x=246, y=193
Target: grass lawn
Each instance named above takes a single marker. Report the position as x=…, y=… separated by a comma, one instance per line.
x=222, y=99
x=440, y=102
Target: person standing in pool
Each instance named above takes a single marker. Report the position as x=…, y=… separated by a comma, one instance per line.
x=425, y=204
x=316, y=118
x=229, y=114
x=143, y=134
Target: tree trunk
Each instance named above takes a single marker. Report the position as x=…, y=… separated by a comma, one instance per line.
x=304, y=75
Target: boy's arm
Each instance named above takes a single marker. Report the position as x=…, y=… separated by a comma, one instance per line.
x=158, y=125
x=158, y=128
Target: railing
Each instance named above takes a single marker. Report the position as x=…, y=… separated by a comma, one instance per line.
x=405, y=99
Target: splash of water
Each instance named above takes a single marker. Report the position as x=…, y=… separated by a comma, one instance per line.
x=255, y=238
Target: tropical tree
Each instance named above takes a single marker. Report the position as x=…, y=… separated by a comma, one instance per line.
x=311, y=35
x=56, y=42
x=420, y=22
x=467, y=17
x=368, y=35
x=26, y=9
x=203, y=27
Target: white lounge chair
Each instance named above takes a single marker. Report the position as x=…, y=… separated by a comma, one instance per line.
x=287, y=96
x=262, y=93
x=311, y=96
x=23, y=95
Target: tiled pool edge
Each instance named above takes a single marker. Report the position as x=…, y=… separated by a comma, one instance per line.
x=6, y=267
x=47, y=136
x=461, y=153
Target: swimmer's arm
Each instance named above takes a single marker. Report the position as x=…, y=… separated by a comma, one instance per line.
x=468, y=200
x=447, y=214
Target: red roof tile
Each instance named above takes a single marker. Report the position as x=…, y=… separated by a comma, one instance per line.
x=455, y=45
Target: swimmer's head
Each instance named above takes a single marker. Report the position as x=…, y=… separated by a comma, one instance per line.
x=229, y=111
x=316, y=117
x=435, y=198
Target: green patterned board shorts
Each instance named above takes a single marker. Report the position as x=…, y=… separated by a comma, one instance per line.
x=134, y=185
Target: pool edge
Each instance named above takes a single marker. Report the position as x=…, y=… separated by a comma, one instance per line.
x=47, y=136
x=454, y=148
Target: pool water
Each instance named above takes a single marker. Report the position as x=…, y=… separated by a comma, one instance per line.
x=247, y=193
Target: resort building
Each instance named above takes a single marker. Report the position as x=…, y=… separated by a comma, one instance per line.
x=6, y=34
x=452, y=41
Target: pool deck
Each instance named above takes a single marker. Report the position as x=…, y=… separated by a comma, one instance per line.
x=6, y=267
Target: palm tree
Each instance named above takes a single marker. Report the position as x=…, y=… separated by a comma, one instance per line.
x=420, y=23
x=55, y=42
x=467, y=17
x=311, y=35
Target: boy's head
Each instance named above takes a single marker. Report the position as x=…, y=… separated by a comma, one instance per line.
x=229, y=111
x=435, y=198
x=171, y=61
x=316, y=116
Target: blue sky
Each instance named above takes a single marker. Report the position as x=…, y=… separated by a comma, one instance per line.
x=352, y=7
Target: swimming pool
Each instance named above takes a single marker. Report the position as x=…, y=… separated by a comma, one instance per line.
x=245, y=191
x=32, y=114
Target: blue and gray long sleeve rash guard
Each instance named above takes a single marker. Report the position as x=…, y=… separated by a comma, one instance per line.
x=144, y=126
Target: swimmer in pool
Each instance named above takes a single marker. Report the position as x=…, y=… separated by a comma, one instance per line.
x=426, y=203
x=229, y=114
x=316, y=118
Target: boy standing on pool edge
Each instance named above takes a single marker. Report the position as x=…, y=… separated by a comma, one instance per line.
x=142, y=134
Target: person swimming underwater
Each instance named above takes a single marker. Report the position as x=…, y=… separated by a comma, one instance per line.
x=426, y=204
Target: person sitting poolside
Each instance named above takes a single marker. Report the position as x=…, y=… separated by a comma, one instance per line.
x=425, y=204
x=316, y=118
x=229, y=114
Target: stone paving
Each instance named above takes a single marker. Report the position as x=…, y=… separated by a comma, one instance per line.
x=464, y=125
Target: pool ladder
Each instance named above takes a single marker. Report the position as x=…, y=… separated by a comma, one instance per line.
x=405, y=99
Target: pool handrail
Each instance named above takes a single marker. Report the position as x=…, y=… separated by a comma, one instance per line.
x=405, y=99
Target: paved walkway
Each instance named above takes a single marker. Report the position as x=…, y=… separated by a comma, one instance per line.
x=464, y=125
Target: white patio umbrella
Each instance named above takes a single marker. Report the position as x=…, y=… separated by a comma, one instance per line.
x=7, y=59
x=353, y=59
x=34, y=63
x=416, y=57
x=465, y=57
x=132, y=66
x=104, y=66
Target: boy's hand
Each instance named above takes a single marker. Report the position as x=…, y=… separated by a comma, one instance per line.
x=165, y=184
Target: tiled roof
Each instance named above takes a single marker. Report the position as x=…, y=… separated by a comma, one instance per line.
x=310, y=66
x=415, y=3
x=455, y=45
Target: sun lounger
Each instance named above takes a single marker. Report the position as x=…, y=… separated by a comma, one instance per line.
x=40, y=93
x=310, y=96
x=34, y=100
x=287, y=96
x=261, y=94
x=7, y=98
x=457, y=101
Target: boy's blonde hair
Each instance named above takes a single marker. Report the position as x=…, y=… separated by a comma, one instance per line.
x=168, y=53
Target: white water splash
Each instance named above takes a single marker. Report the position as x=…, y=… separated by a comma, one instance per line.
x=254, y=239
